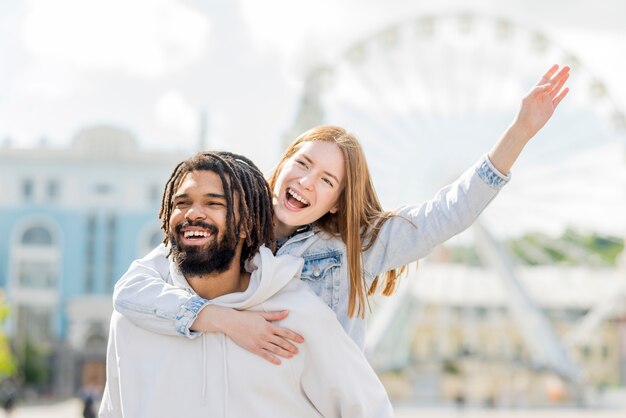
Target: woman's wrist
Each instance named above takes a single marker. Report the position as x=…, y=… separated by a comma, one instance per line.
x=209, y=319
x=506, y=151
x=519, y=134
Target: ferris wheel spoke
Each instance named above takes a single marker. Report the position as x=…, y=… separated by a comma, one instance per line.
x=391, y=100
x=381, y=110
x=377, y=137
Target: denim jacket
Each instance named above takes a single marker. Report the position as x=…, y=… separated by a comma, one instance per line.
x=143, y=296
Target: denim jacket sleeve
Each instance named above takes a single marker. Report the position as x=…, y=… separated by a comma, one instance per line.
x=417, y=230
x=146, y=297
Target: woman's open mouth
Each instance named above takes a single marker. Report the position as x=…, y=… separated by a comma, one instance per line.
x=295, y=200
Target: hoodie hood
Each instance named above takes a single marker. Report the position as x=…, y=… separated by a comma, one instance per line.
x=269, y=274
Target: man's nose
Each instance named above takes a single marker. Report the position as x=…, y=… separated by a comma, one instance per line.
x=194, y=212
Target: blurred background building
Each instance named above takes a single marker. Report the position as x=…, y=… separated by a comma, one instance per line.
x=72, y=221
x=527, y=308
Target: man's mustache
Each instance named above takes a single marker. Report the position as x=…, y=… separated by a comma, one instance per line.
x=198, y=224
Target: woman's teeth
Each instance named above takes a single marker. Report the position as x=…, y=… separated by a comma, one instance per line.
x=297, y=197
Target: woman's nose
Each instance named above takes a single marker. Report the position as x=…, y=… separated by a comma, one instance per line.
x=306, y=182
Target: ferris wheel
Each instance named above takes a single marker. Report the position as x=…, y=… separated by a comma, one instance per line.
x=427, y=96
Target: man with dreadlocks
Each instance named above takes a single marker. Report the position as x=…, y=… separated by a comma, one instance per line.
x=217, y=216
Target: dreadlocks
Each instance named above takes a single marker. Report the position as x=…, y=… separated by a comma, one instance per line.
x=240, y=177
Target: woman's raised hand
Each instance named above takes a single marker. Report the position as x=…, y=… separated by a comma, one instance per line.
x=539, y=105
x=536, y=109
x=253, y=331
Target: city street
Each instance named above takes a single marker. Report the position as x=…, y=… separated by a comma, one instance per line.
x=507, y=413
x=72, y=409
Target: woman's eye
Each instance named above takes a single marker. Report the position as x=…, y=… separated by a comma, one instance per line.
x=302, y=163
x=330, y=183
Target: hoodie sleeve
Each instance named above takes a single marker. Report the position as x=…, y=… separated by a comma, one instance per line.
x=417, y=230
x=145, y=297
x=332, y=371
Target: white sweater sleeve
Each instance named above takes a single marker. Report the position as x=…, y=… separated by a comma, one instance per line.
x=145, y=297
x=418, y=229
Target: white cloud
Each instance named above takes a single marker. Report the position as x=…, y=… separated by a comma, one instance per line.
x=173, y=111
x=306, y=34
x=46, y=83
x=147, y=38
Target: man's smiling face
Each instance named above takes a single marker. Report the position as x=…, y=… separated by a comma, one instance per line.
x=202, y=241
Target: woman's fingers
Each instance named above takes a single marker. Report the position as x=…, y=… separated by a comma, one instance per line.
x=279, y=331
x=267, y=339
x=560, y=97
x=556, y=89
x=288, y=334
x=274, y=316
x=552, y=79
x=281, y=347
x=267, y=356
x=547, y=76
x=282, y=338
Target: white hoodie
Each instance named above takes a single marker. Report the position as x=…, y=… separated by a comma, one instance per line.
x=152, y=375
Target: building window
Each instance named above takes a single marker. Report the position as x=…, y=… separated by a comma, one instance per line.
x=91, y=254
x=34, y=323
x=38, y=274
x=52, y=189
x=37, y=235
x=28, y=189
x=110, y=251
x=37, y=260
x=102, y=189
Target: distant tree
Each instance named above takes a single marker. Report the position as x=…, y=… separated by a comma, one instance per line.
x=34, y=366
x=8, y=365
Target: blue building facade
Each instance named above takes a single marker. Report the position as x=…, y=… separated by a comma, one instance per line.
x=71, y=222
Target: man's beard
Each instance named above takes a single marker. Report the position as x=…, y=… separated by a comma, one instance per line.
x=213, y=257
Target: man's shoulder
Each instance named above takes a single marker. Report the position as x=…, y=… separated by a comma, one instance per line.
x=119, y=321
x=297, y=296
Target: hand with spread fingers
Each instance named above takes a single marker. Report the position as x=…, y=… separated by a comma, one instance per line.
x=539, y=105
x=536, y=110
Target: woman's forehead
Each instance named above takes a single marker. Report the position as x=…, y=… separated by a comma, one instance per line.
x=324, y=153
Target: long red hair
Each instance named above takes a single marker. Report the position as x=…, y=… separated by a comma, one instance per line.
x=359, y=216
